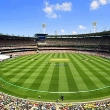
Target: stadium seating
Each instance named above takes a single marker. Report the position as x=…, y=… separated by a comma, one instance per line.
x=23, y=46
x=14, y=103
x=89, y=44
x=16, y=44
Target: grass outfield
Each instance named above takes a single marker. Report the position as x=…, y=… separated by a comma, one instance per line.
x=79, y=78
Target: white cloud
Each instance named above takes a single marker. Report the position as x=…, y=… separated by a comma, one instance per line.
x=103, y=2
x=95, y=4
x=52, y=15
x=62, y=30
x=74, y=32
x=66, y=6
x=82, y=27
x=50, y=10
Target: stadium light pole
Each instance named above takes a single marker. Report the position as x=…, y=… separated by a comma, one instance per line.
x=94, y=25
x=44, y=26
x=55, y=32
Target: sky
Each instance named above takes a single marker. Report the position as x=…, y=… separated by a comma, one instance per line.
x=61, y=17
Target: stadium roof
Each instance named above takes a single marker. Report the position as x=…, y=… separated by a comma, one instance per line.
x=14, y=37
x=97, y=34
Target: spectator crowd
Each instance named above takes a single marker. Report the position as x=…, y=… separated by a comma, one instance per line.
x=14, y=103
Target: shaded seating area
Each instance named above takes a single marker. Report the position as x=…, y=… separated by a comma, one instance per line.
x=13, y=44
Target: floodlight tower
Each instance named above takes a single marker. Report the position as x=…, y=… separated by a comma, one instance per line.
x=94, y=24
x=55, y=32
x=44, y=26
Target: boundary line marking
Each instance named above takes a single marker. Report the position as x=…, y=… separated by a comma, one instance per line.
x=52, y=92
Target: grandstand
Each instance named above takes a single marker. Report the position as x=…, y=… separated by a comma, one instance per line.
x=13, y=44
x=91, y=42
x=99, y=42
x=95, y=44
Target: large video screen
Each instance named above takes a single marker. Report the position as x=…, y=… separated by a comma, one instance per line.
x=41, y=38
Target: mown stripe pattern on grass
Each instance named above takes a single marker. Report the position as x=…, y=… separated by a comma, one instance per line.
x=36, y=72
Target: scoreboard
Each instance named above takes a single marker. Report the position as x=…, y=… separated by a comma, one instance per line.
x=40, y=37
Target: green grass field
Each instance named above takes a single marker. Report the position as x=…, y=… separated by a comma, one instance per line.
x=78, y=77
